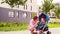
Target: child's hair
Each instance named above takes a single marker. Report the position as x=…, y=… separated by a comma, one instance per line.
x=35, y=17
x=44, y=18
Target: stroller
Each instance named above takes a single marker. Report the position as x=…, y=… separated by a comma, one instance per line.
x=43, y=29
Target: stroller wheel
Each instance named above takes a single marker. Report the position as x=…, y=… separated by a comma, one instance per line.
x=48, y=32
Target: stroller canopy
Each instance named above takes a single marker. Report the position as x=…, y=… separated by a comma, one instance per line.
x=45, y=16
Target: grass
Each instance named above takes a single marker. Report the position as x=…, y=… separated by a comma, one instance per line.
x=54, y=25
x=13, y=26
x=6, y=26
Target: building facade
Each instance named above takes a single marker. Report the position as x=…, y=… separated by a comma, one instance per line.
x=7, y=15
x=21, y=14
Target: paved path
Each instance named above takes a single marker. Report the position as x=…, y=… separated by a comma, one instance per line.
x=53, y=30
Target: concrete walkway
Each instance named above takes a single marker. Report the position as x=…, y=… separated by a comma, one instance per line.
x=53, y=30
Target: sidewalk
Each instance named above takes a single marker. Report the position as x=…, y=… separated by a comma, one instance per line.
x=53, y=30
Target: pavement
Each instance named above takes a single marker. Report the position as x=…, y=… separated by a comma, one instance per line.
x=53, y=31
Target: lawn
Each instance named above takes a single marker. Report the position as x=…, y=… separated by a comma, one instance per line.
x=6, y=26
x=51, y=25
x=13, y=28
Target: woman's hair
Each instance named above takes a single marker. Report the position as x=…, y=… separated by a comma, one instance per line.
x=35, y=17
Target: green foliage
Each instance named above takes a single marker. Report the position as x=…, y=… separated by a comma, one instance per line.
x=17, y=26
x=47, y=6
x=51, y=25
x=57, y=11
x=13, y=3
x=5, y=26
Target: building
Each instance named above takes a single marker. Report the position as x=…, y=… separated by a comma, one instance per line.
x=23, y=13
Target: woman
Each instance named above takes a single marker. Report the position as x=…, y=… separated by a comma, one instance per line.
x=33, y=23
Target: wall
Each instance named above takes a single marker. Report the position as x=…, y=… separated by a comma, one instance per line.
x=4, y=15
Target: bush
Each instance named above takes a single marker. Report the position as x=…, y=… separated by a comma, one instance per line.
x=2, y=24
x=14, y=26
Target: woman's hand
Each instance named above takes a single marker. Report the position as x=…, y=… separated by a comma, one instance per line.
x=36, y=23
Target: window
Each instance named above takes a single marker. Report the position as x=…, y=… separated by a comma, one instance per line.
x=30, y=15
x=31, y=7
x=31, y=1
x=17, y=6
x=24, y=15
x=17, y=14
x=25, y=6
x=11, y=14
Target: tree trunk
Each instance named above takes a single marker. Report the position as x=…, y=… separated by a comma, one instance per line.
x=56, y=19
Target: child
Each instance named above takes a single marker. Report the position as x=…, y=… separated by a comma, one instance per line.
x=43, y=20
x=33, y=23
x=42, y=24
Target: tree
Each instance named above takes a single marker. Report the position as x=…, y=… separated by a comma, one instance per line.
x=57, y=11
x=47, y=6
x=13, y=3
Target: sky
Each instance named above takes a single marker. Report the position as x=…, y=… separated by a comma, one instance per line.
x=39, y=2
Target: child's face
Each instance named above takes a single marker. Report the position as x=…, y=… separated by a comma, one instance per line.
x=42, y=20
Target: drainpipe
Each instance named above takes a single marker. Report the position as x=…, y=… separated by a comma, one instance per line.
x=38, y=13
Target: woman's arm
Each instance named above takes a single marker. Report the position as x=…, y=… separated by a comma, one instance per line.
x=36, y=23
